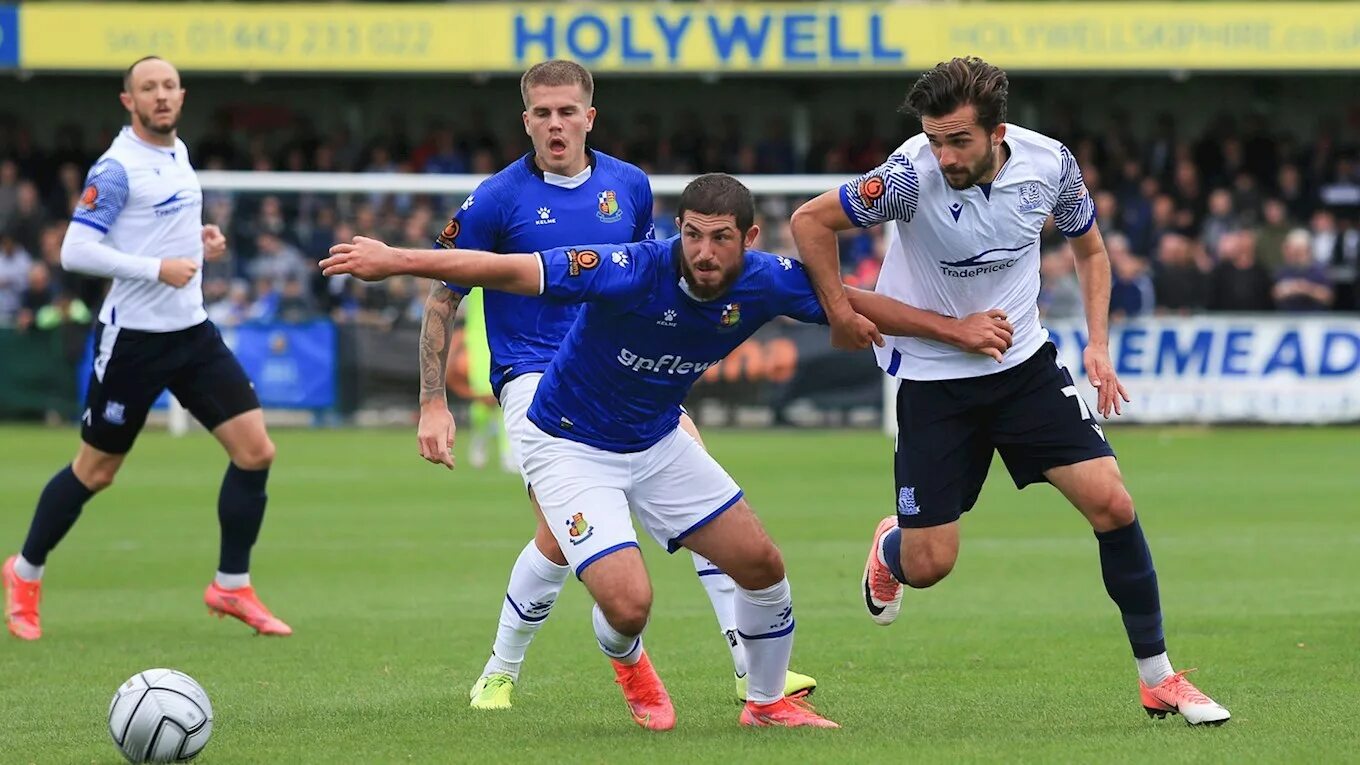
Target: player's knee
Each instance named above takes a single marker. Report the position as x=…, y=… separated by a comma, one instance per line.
x=95, y=474
x=259, y=455
x=98, y=478
x=629, y=614
x=1114, y=510
x=762, y=568
x=926, y=570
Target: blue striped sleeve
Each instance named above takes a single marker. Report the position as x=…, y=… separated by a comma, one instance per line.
x=1074, y=211
x=106, y=192
x=888, y=192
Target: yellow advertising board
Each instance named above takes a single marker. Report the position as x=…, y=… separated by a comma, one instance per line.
x=669, y=38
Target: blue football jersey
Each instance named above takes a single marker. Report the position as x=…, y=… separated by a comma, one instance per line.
x=641, y=339
x=517, y=211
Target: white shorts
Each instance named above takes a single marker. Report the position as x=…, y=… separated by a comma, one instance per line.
x=516, y=396
x=589, y=496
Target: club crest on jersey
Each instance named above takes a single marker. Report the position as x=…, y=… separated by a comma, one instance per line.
x=581, y=260
x=731, y=316
x=871, y=189
x=449, y=236
x=88, y=199
x=609, y=211
x=578, y=529
x=114, y=413
x=1030, y=197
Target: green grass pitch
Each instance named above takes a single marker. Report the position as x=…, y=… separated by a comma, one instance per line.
x=392, y=572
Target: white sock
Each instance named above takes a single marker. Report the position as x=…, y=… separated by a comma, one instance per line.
x=722, y=593
x=625, y=649
x=1154, y=669
x=535, y=583
x=27, y=571
x=765, y=626
x=232, y=581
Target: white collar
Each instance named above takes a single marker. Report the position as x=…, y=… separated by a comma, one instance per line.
x=132, y=135
x=567, y=181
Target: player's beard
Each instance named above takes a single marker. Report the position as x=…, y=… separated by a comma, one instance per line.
x=147, y=120
x=975, y=173
x=710, y=293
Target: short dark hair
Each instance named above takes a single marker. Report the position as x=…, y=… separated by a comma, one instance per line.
x=959, y=82
x=127, y=74
x=556, y=72
x=719, y=194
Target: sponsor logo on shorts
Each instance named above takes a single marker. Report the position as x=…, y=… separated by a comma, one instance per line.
x=578, y=529
x=906, y=501
x=114, y=413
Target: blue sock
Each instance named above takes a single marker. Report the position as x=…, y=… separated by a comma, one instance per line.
x=240, y=513
x=892, y=554
x=59, y=506
x=1131, y=581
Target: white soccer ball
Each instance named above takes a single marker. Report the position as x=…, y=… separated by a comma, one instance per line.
x=160, y=715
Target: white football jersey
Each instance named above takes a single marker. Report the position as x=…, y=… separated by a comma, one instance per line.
x=960, y=252
x=146, y=201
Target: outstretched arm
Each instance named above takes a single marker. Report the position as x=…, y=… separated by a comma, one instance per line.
x=372, y=260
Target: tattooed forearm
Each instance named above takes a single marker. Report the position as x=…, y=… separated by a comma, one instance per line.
x=440, y=308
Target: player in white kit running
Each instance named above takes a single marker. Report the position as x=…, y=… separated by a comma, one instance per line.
x=140, y=222
x=965, y=202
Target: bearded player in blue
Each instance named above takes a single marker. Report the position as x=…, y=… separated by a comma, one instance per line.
x=605, y=445
x=560, y=193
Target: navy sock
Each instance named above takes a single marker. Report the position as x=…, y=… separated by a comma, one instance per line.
x=1131, y=581
x=240, y=512
x=892, y=554
x=58, y=508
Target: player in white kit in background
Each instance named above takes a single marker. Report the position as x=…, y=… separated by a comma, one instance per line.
x=965, y=202
x=140, y=222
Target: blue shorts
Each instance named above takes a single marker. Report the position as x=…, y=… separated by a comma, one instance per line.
x=948, y=429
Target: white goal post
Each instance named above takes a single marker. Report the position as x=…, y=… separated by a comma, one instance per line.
x=416, y=183
x=799, y=187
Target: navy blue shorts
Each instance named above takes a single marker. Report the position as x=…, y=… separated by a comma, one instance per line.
x=132, y=368
x=948, y=429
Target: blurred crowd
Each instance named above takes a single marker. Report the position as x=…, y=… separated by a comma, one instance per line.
x=1237, y=218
